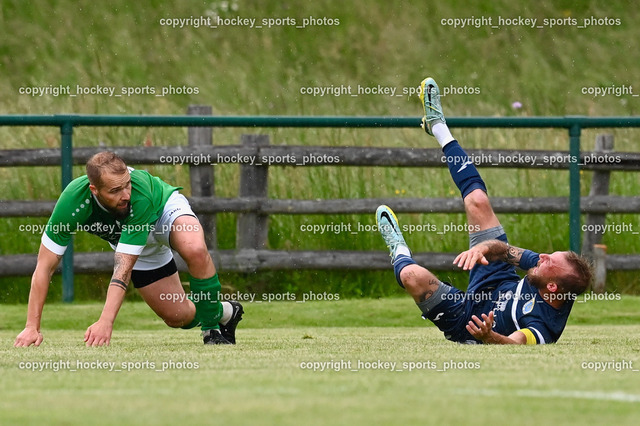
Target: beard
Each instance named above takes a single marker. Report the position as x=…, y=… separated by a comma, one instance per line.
x=537, y=281
x=120, y=213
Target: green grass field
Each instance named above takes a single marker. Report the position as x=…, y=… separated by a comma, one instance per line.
x=294, y=364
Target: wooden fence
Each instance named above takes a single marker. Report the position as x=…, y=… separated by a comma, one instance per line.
x=254, y=207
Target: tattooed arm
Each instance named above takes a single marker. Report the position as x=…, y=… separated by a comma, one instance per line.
x=498, y=250
x=489, y=251
x=99, y=333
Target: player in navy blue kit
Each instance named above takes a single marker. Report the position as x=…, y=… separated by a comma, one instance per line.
x=498, y=307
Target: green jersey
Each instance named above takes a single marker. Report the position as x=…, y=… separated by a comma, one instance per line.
x=78, y=210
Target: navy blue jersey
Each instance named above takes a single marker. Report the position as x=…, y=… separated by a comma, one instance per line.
x=517, y=305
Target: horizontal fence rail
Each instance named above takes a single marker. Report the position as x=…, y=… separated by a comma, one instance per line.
x=254, y=207
x=250, y=260
x=347, y=156
x=522, y=205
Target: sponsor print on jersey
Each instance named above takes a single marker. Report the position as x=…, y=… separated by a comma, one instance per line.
x=502, y=302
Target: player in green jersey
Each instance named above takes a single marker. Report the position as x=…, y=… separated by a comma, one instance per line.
x=143, y=218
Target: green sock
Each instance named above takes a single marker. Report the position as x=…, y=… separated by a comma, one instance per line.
x=204, y=294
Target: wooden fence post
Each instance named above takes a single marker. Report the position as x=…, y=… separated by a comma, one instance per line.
x=252, y=228
x=599, y=186
x=599, y=267
x=201, y=176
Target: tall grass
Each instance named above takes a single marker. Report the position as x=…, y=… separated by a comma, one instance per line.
x=247, y=71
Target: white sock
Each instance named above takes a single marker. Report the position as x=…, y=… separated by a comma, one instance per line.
x=442, y=134
x=227, y=311
x=402, y=249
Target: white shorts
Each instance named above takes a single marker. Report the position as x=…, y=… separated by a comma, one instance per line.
x=157, y=252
